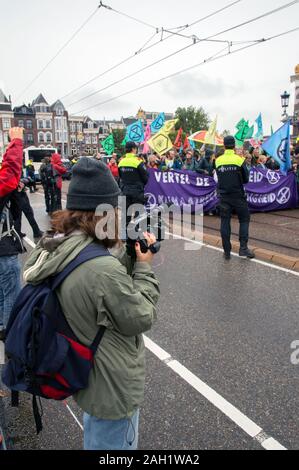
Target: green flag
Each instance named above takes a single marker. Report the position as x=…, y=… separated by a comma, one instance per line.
x=109, y=145
x=250, y=133
x=124, y=141
x=240, y=124
x=243, y=129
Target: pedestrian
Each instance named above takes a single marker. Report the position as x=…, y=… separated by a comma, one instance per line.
x=207, y=165
x=133, y=178
x=107, y=291
x=30, y=173
x=113, y=166
x=47, y=177
x=232, y=174
x=189, y=161
x=153, y=162
x=262, y=162
x=26, y=209
x=178, y=163
x=55, y=189
x=10, y=242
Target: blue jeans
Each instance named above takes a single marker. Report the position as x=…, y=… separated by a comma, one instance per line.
x=10, y=286
x=101, y=434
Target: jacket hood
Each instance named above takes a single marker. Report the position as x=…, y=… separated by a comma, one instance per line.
x=56, y=158
x=52, y=255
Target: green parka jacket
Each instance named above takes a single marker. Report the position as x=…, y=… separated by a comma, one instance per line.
x=111, y=292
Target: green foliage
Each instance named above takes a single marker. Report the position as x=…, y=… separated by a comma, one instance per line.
x=119, y=135
x=192, y=119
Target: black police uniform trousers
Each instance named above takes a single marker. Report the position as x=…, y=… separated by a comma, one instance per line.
x=52, y=198
x=229, y=205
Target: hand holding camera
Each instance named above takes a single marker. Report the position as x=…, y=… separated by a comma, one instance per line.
x=147, y=248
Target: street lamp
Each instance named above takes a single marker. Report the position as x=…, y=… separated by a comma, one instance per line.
x=285, y=100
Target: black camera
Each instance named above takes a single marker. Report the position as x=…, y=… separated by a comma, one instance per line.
x=150, y=221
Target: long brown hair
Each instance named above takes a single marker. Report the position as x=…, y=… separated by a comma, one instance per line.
x=66, y=222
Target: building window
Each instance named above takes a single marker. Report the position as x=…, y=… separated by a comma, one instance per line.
x=59, y=112
x=73, y=127
x=94, y=140
x=29, y=124
x=88, y=140
x=40, y=124
x=5, y=138
x=21, y=123
x=6, y=123
x=29, y=139
x=73, y=140
x=41, y=137
x=48, y=124
x=90, y=125
x=49, y=137
x=79, y=128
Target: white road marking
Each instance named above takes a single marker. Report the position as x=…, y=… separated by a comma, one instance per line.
x=74, y=416
x=272, y=444
x=239, y=418
x=2, y=354
x=220, y=250
x=235, y=415
x=29, y=242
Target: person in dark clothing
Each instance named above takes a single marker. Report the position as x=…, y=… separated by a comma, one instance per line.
x=232, y=174
x=206, y=165
x=26, y=209
x=133, y=178
x=30, y=173
x=45, y=173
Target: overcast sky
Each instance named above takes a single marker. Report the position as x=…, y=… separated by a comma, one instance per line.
x=241, y=85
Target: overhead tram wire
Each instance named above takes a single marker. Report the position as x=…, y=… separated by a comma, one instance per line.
x=59, y=52
x=195, y=42
x=210, y=59
x=128, y=16
x=144, y=48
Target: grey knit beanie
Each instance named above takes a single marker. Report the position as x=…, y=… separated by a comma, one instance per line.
x=92, y=184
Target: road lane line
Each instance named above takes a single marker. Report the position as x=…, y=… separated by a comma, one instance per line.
x=220, y=250
x=74, y=416
x=272, y=444
x=29, y=242
x=229, y=410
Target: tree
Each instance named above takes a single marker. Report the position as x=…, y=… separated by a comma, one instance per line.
x=192, y=119
x=119, y=135
x=225, y=133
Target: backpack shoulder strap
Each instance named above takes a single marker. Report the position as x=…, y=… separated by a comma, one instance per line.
x=92, y=251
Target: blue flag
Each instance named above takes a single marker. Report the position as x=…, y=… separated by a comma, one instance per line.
x=260, y=129
x=279, y=147
x=192, y=144
x=158, y=123
x=135, y=132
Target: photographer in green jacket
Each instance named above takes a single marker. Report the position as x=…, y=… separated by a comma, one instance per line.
x=115, y=292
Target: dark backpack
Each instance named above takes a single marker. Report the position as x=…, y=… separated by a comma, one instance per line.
x=48, y=175
x=45, y=358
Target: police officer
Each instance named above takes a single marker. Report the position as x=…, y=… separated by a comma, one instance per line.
x=232, y=174
x=133, y=178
